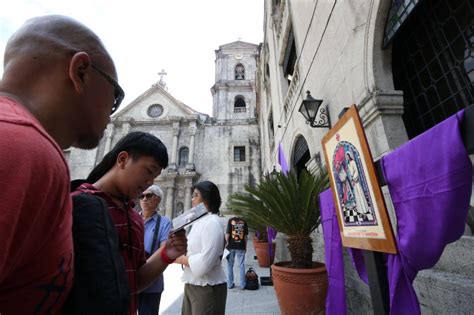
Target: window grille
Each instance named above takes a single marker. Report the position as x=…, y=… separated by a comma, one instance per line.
x=433, y=63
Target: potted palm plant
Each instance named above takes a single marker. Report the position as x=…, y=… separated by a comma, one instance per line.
x=290, y=204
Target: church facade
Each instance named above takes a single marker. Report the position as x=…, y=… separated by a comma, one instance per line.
x=224, y=148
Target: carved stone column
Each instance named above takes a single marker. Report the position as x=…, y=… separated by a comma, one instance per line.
x=170, y=187
x=108, y=137
x=192, y=133
x=188, y=184
x=169, y=201
x=174, y=148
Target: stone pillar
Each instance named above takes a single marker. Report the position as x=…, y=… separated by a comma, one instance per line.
x=169, y=201
x=170, y=186
x=108, y=137
x=174, y=148
x=188, y=184
x=192, y=133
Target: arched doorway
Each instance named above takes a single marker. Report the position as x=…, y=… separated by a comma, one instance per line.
x=301, y=155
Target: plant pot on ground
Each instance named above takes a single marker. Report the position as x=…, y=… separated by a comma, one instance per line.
x=260, y=242
x=290, y=204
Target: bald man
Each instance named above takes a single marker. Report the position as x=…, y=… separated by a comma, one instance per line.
x=58, y=90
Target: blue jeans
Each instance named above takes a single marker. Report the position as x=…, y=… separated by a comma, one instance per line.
x=230, y=267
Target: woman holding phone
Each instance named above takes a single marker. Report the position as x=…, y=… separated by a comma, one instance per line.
x=205, y=290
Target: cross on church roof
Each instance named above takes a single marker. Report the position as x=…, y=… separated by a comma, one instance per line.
x=161, y=74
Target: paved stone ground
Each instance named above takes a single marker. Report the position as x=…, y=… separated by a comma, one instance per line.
x=262, y=301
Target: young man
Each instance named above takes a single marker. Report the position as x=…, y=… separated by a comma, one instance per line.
x=157, y=229
x=236, y=238
x=123, y=174
x=58, y=89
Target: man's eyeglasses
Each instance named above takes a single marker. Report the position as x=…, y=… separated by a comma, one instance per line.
x=147, y=196
x=119, y=94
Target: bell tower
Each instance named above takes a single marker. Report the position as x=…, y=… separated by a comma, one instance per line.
x=234, y=95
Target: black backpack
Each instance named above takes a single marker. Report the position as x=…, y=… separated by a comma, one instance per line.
x=100, y=281
x=251, y=279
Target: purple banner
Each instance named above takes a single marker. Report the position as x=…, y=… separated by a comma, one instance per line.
x=282, y=160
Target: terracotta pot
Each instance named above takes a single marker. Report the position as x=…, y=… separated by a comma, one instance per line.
x=300, y=291
x=261, y=250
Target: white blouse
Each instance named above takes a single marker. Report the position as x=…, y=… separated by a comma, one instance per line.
x=205, y=247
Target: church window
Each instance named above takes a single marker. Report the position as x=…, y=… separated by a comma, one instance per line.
x=433, y=63
x=239, y=72
x=183, y=156
x=239, y=104
x=155, y=110
x=239, y=154
x=290, y=57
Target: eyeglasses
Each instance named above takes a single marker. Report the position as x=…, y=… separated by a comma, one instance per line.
x=147, y=196
x=119, y=94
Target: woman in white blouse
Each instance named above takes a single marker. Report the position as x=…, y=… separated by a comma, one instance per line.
x=205, y=289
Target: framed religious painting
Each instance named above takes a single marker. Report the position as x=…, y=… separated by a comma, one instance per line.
x=361, y=211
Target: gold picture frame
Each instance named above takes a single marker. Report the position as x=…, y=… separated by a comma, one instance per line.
x=363, y=218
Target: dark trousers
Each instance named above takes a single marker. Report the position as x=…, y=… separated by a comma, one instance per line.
x=200, y=300
x=148, y=303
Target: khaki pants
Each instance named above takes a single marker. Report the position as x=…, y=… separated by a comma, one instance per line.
x=209, y=299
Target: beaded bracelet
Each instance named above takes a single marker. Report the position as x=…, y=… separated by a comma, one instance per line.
x=165, y=258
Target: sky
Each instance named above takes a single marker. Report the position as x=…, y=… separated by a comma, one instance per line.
x=179, y=36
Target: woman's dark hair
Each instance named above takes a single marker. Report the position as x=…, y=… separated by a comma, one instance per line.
x=210, y=194
x=136, y=144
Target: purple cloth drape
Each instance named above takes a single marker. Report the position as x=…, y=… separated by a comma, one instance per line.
x=430, y=182
x=282, y=159
x=336, y=296
x=271, y=235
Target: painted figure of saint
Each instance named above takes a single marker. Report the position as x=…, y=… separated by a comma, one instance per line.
x=361, y=201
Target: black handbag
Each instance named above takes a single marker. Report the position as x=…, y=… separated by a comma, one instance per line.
x=251, y=279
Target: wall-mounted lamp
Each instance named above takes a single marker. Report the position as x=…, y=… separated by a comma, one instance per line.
x=274, y=173
x=310, y=107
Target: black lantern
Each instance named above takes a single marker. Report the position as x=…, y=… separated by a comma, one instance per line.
x=310, y=107
x=274, y=173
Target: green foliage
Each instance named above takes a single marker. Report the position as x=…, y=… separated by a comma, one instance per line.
x=284, y=202
x=288, y=203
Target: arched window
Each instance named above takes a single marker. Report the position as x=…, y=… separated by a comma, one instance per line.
x=239, y=104
x=239, y=72
x=183, y=156
x=301, y=154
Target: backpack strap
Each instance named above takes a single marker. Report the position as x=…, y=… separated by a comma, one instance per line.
x=155, y=235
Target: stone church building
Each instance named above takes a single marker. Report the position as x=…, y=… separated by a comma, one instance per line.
x=407, y=65
x=224, y=148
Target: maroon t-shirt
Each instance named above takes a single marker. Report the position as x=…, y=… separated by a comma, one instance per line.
x=130, y=230
x=36, y=255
